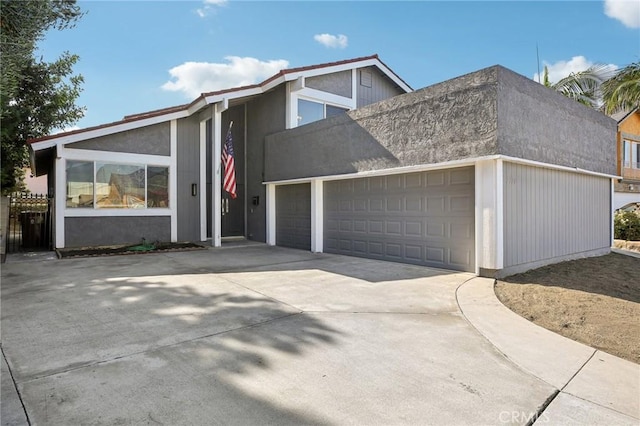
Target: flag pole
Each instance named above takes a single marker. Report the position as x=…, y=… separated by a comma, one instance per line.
x=230, y=124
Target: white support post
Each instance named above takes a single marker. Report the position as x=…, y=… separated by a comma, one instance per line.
x=216, y=192
x=202, y=191
x=60, y=195
x=488, y=194
x=271, y=214
x=317, y=216
x=611, y=208
x=499, y=214
x=173, y=184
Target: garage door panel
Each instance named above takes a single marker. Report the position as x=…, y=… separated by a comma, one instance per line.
x=424, y=218
x=293, y=216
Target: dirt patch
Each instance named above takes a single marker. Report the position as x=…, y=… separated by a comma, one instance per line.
x=595, y=301
x=126, y=249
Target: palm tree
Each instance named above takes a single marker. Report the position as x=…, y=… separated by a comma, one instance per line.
x=583, y=86
x=622, y=91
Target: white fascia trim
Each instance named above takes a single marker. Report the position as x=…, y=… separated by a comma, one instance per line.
x=382, y=172
x=326, y=97
x=350, y=66
x=105, y=131
x=94, y=212
x=215, y=99
x=288, y=77
x=393, y=77
x=173, y=181
x=117, y=157
x=443, y=165
x=554, y=166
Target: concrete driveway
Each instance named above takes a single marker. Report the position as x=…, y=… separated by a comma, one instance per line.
x=250, y=335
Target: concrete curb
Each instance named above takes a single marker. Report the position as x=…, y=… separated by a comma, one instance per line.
x=593, y=376
x=626, y=252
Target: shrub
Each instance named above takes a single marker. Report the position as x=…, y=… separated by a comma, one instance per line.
x=626, y=226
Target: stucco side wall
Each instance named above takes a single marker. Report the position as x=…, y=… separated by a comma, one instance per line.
x=95, y=231
x=154, y=140
x=452, y=120
x=538, y=123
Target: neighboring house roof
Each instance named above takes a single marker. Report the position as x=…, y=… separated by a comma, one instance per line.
x=161, y=115
x=623, y=115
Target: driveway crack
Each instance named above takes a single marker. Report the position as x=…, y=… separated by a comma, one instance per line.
x=15, y=386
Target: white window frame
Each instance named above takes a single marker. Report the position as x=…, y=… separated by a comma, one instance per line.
x=631, y=154
x=125, y=159
x=296, y=91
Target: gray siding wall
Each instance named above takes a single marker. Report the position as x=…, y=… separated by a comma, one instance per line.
x=373, y=86
x=550, y=214
x=338, y=83
x=188, y=163
x=93, y=231
x=265, y=115
x=155, y=140
x=452, y=120
x=538, y=123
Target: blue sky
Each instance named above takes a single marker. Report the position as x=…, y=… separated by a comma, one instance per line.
x=138, y=56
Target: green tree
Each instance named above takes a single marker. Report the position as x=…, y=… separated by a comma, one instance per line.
x=622, y=91
x=36, y=97
x=583, y=86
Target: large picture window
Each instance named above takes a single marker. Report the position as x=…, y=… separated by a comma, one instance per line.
x=116, y=186
x=120, y=186
x=80, y=184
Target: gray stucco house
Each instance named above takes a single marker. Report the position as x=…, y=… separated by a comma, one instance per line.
x=489, y=172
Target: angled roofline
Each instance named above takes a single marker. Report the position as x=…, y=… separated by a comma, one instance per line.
x=171, y=113
x=625, y=115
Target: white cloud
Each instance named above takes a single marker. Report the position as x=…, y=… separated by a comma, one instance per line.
x=194, y=78
x=625, y=11
x=330, y=40
x=66, y=129
x=209, y=6
x=562, y=69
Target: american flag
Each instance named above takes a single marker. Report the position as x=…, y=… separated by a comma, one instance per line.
x=229, y=180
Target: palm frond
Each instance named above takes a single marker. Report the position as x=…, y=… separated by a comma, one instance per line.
x=584, y=86
x=622, y=91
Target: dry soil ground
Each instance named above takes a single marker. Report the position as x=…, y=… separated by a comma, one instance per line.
x=594, y=300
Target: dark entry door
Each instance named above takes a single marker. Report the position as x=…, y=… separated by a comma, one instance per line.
x=232, y=220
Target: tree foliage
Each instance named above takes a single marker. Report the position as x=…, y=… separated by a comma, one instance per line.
x=36, y=96
x=583, y=86
x=601, y=87
x=622, y=91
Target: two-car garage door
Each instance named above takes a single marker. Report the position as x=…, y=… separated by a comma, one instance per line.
x=424, y=218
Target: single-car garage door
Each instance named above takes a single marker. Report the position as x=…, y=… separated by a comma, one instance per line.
x=293, y=216
x=424, y=218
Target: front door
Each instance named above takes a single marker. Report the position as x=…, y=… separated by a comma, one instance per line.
x=232, y=220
